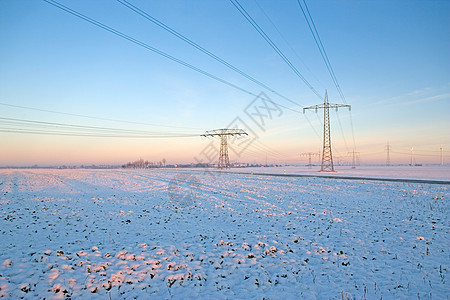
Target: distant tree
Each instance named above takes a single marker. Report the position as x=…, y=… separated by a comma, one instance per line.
x=141, y=164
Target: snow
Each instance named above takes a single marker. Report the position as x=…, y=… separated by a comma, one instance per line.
x=186, y=234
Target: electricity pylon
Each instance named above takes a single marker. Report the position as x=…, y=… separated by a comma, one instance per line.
x=310, y=154
x=327, y=156
x=224, y=161
x=354, y=159
x=388, y=159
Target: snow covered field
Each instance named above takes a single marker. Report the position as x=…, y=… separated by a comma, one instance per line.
x=182, y=234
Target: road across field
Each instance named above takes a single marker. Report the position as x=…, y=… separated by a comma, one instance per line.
x=426, y=181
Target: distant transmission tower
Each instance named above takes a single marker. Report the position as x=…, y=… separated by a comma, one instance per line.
x=310, y=154
x=442, y=156
x=388, y=159
x=327, y=156
x=413, y=162
x=354, y=158
x=224, y=161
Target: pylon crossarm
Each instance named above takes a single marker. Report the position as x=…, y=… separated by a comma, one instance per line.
x=224, y=161
x=328, y=105
x=221, y=132
x=332, y=105
x=315, y=107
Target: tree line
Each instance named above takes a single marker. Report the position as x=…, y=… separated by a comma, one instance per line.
x=141, y=164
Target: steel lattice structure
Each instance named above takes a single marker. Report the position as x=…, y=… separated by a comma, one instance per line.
x=224, y=160
x=310, y=155
x=388, y=148
x=327, y=155
x=354, y=158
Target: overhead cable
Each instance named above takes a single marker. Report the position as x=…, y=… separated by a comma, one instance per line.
x=160, y=52
x=286, y=41
x=200, y=48
x=146, y=46
x=273, y=45
x=95, y=118
x=323, y=53
x=13, y=125
x=319, y=44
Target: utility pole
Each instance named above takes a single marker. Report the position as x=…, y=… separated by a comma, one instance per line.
x=388, y=159
x=224, y=161
x=310, y=154
x=327, y=156
x=355, y=154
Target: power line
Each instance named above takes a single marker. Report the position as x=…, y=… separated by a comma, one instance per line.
x=273, y=45
x=135, y=41
x=95, y=118
x=123, y=121
x=286, y=41
x=278, y=51
x=324, y=55
x=342, y=131
x=242, y=149
x=319, y=44
x=30, y=131
x=146, y=46
x=162, y=53
x=54, y=124
x=267, y=149
x=202, y=49
x=295, y=53
x=11, y=125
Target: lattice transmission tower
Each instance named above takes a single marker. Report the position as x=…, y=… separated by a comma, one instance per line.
x=388, y=149
x=224, y=160
x=413, y=161
x=327, y=155
x=310, y=155
x=355, y=158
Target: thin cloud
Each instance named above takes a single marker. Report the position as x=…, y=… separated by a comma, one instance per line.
x=428, y=99
x=422, y=93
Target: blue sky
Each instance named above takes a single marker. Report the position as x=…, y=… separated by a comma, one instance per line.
x=390, y=59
